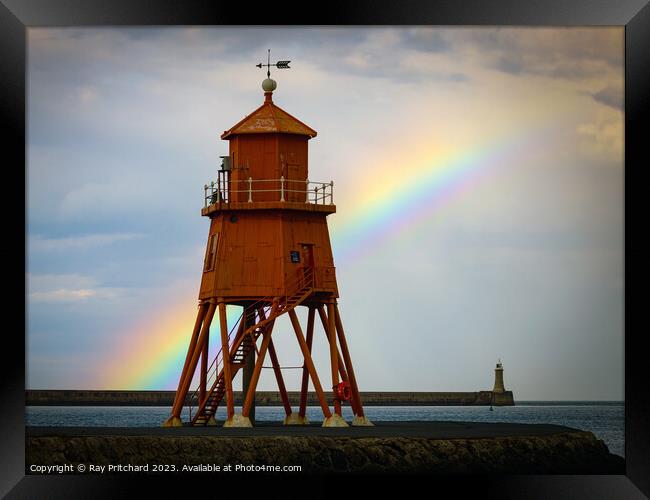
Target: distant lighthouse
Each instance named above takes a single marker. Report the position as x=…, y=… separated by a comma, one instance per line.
x=499, y=395
x=498, y=378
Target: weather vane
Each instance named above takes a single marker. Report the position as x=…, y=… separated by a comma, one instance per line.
x=279, y=65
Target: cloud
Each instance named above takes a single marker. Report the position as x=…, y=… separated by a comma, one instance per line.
x=38, y=243
x=42, y=282
x=87, y=94
x=602, y=139
x=568, y=53
x=172, y=52
x=62, y=295
x=75, y=295
x=114, y=196
x=67, y=288
x=611, y=96
x=424, y=39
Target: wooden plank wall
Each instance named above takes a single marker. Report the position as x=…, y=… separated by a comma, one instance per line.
x=253, y=254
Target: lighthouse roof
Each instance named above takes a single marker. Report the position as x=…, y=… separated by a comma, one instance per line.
x=269, y=118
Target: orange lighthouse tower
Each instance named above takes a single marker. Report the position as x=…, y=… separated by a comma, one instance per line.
x=268, y=251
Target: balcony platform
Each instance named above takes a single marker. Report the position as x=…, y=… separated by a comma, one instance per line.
x=267, y=205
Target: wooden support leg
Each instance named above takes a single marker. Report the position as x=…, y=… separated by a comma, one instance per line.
x=310, y=364
x=250, y=395
x=279, y=379
x=331, y=333
x=342, y=371
x=305, y=372
x=204, y=367
x=243, y=419
x=249, y=366
x=290, y=418
x=225, y=356
x=203, y=308
x=174, y=420
x=360, y=418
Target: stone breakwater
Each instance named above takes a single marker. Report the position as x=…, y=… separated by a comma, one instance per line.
x=563, y=453
x=264, y=398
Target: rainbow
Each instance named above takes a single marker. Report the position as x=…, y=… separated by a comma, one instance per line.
x=153, y=356
x=382, y=211
x=401, y=203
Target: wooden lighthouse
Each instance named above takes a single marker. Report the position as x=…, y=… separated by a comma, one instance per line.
x=268, y=251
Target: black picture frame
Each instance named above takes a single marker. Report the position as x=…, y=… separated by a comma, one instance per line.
x=17, y=15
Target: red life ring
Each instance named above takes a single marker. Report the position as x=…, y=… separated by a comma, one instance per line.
x=343, y=392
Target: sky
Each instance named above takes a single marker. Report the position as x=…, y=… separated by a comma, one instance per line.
x=478, y=178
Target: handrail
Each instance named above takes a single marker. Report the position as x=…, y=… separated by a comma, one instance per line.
x=306, y=278
x=221, y=191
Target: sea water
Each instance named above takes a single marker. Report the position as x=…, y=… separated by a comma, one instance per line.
x=605, y=420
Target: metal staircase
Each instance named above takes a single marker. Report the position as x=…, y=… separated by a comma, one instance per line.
x=266, y=311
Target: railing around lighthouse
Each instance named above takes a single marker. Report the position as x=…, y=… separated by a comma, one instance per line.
x=315, y=193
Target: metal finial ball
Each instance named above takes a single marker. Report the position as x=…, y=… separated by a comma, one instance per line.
x=269, y=85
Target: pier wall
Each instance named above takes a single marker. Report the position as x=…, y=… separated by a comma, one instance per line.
x=264, y=398
x=575, y=452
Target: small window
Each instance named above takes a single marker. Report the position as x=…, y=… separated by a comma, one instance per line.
x=295, y=256
x=211, y=253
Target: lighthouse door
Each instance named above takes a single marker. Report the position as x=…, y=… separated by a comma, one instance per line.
x=308, y=254
x=307, y=250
